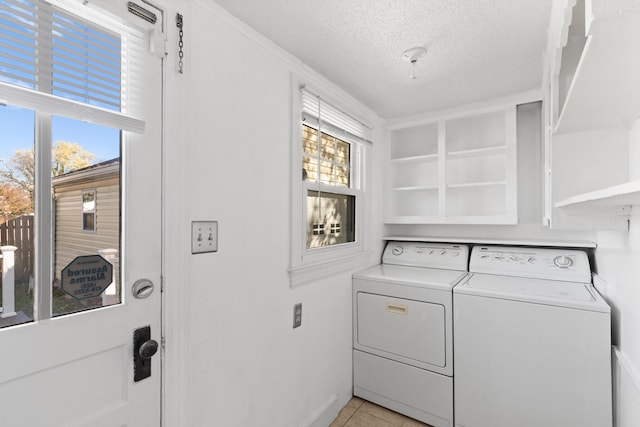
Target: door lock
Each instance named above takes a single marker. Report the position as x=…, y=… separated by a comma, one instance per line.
x=143, y=349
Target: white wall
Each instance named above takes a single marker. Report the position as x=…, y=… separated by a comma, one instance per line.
x=229, y=323
x=617, y=259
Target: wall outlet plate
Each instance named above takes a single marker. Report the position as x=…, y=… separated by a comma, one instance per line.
x=297, y=315
x=204, y=236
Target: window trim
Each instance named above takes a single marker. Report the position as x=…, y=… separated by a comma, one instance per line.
x=307, y=265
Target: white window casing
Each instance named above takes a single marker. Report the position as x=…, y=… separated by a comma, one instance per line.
x=308, y=264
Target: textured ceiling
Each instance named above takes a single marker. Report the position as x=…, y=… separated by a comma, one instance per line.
x=477, y=49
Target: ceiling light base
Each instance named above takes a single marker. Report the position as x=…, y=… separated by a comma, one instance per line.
x=412, y=55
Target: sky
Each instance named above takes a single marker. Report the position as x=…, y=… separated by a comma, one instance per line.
x=81, y=56
x=17, y=132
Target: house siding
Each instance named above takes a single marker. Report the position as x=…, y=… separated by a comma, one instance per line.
x=70, y=239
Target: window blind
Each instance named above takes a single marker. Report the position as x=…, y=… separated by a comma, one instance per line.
x=315, y=109
x=57, y=62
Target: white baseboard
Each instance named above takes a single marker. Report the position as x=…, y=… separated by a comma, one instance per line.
x=325, y=414
x=626, y=391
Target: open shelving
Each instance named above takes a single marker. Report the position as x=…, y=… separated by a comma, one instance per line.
x=598, y=98
x=478, y=152
x=600, y=90
x=612, y=198
x=454, y=170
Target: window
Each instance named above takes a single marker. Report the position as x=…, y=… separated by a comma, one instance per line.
x=327, y=162
x=67, y=92
x=330, y=147
x=89, y=210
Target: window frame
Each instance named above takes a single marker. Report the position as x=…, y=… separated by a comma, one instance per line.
x=94, y=211
x=46, y=105
x=309, y=264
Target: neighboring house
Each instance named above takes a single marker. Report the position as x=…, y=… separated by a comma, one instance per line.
x=87, y=213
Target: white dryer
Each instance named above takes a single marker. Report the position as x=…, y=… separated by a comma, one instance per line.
x=532, y=341
x=403, y=332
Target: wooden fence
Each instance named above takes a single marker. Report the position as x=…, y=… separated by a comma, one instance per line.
x=18, y=232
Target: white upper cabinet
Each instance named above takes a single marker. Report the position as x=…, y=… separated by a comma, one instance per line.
x=594, y=94
x=456, y=169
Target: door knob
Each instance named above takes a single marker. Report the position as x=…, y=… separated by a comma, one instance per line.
x=143, y=348
x=148, y=349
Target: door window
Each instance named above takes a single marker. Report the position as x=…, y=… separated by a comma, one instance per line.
x=63, y=87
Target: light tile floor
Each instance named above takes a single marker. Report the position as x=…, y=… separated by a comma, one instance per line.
x=360, y=413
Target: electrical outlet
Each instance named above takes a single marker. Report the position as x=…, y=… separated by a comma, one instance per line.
x=297, y=315
x=204, y=236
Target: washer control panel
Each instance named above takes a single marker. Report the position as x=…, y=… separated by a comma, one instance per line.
x=541, y=263
x=432, y=255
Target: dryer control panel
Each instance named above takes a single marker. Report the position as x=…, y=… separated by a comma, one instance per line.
x=539, y=263
x=430, y=255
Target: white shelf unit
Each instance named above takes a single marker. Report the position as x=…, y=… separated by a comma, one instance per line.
x=597, y=89
x=458, y=169
x=599, y=92
x=616, y=199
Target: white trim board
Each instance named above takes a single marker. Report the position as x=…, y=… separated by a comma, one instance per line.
x=491, y=241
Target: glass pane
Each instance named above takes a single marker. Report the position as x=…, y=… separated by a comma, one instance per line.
x=309, y=140
x=333, y=158
x=86, y=211
x=330, y=219
x=16, y=214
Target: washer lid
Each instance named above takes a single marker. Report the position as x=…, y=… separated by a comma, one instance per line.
x=549, y=292
x=432, y=278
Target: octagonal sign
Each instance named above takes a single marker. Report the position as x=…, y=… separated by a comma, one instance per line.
x=86, y=276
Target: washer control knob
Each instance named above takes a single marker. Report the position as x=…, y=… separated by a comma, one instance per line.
x=563, y=261
x=397, y=250
x=443, y=252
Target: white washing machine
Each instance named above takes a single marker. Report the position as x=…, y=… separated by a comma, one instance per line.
x=532, y=341
x=403, y=332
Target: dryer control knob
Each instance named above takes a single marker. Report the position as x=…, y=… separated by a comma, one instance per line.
x=563, y=261
x=397, y=250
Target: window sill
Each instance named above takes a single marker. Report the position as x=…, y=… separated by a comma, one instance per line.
x=307, y=273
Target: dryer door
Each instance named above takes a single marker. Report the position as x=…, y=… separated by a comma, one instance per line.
x=413, y=330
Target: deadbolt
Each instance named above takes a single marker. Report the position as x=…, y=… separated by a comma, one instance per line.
x=142, y=288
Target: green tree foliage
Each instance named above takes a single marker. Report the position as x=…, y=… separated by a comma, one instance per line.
x=18, y=173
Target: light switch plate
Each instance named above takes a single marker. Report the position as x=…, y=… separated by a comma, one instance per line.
x=204, y=236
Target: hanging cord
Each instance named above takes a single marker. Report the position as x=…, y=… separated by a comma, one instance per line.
x=180, y=43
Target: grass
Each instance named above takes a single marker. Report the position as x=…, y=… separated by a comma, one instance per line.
x=62, y=303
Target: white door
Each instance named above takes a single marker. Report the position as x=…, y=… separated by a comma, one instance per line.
x=68, y=359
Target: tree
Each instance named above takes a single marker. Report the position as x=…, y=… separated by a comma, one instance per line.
x=68, y=157
x=14, y=201
x=19, y=171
